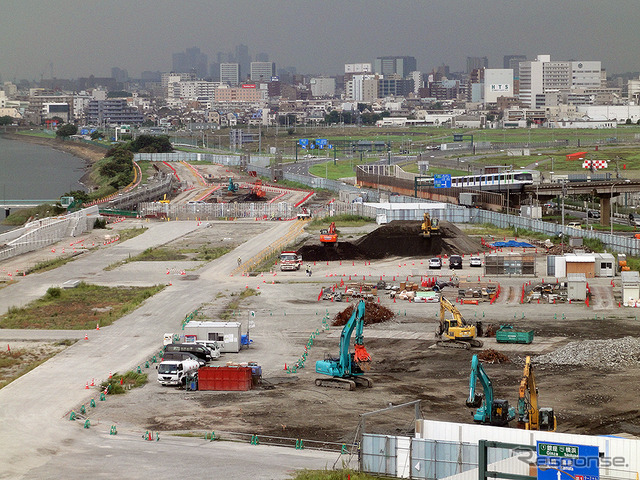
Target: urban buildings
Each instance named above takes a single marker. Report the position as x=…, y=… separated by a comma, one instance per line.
x=402, y=66
x=262, y=71
x=230, y=73
x=191, y=60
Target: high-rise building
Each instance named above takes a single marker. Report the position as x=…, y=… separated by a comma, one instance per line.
x=230, y=73
x=119, y=75
x=191, y=60
x=262, y=71
x=476, y=63
x=243, y=59
x=512, y=62
x=542, y=76
x=262, y=57
x=498, y=82
x=402, y=66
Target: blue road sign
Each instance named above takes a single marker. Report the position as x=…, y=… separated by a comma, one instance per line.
x=559, y=461
x=441, y=180
x=330, y=146
x=303, y=142
x=84, y=131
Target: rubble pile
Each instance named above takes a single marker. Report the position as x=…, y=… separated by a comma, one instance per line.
x=397, y=238
x=492, y=356
x=604, y=354
x=373, y=313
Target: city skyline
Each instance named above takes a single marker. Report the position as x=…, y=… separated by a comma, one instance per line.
x=77, y=39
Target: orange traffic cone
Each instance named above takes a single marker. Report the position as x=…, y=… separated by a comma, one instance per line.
x=86, y=387
x=93, y=382
x=97, y=326
x=86, y=337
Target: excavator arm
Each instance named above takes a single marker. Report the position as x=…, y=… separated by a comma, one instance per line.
x=457, y=331
x=530, y=416
x=489, y=409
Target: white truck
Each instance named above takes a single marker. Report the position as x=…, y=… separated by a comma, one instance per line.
x=173, y=372
x=290, y=260
x=213, y=346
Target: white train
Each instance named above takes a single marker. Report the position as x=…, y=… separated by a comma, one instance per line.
x=497, y=182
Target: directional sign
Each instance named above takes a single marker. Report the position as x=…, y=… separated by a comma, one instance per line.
x=558, y=461
x=303, y=142
x=321, y=143
x=441, y=180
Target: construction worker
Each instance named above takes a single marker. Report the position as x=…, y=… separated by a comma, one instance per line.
x=308, y=270
x=239, y=261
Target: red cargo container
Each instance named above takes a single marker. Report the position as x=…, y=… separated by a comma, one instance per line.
x=224, y=378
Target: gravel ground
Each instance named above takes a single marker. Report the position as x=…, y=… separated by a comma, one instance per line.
x=602, y=354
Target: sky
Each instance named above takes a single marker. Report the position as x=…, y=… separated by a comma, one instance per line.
x=74, y=38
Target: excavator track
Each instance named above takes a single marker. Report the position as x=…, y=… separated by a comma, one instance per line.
x=476, y=343
x=343, y=383
x=453, y=344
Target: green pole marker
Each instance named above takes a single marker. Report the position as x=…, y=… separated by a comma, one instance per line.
x=154, y=359
x=83, y=410
x=92, y=403
x=157, y=437
x=72, y=416
x=344, y=451
x=87, y=423
x=113, y=430
x=483, y=314
x=102, y=397
x=522, y=314
x=555, y=316
x=213, y=436
x=139, y=369
x=146, y=364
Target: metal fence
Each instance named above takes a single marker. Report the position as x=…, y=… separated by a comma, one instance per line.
x=179, y=156
x=211, y=211
x=407, y=457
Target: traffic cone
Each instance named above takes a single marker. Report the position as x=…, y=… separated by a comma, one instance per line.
x=110, y=374
x=86, y=387
x=8, y=348
x=86, y=337
x=93, y=382
x=97, y=326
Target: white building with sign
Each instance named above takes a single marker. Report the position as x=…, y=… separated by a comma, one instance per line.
x=498, y=82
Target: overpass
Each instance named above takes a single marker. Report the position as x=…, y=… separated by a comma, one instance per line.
x=604, y=190
x=9, y=204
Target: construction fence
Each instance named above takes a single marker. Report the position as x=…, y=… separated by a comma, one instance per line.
x=213, y=211
x=41, y=233
x=179, y=156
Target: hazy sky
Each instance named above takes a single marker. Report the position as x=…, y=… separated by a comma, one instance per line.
x=84, y=37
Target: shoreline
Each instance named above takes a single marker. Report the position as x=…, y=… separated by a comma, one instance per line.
x=89, y=153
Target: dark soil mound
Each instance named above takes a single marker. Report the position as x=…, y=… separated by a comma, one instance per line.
x=398, y=238
x=373, y=313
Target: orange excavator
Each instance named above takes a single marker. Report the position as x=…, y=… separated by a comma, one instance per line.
x=257, y=189
x=329, y=236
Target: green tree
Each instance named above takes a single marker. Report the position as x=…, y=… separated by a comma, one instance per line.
x=151, y=144
x=97, y=135
x=77, y=195
x=66, y=130
x=6, y=120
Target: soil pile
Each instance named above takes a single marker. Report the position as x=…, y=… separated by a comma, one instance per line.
x=397, y=238
x=373, y=313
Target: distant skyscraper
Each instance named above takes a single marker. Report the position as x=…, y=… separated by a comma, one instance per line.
x=262, y=71
x=513, y=62
x=119, y=74
x=476, y=63
x=191, y=60
x=402, y=66
x=243, y=59
x=262, y=57
x=230, y=73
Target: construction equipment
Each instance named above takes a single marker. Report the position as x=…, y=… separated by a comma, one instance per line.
x=489, y=410
x=430, y=226
x=257, y=190
x=347, y=370
x=329, y=236
x=165, y=199
x=456, y=332
x=233, y=187
x=530, y=417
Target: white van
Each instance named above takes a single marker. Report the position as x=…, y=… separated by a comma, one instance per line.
x=213, y=346
x=174, y=372
x=576, y=225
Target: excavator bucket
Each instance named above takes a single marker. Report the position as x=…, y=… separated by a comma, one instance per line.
x=477, y=401
x=361, y=356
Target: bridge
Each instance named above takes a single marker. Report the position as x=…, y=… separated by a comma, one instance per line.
x=9, y=204
x=604, y=190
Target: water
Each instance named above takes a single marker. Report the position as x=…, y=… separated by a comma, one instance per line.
x=36, y=172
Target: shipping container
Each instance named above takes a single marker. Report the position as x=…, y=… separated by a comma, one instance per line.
x=225, y=378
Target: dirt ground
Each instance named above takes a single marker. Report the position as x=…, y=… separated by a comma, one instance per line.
x=406, y=366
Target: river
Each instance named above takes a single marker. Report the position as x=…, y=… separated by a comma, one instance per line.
x=36, y=172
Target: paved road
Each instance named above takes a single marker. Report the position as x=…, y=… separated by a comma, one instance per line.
x=35, y=435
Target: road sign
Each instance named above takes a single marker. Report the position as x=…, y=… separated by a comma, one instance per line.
x=303, y=142
x=321, y=143
x=559, y=461
x=441, y=180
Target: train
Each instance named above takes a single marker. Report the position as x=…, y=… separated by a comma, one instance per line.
x=497, y=182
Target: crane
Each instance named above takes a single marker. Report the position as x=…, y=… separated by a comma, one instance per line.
x=457, y=332
x=329, y=236
x=347, y=370
x=489, y=410
x=430, y=226
x=530, y=416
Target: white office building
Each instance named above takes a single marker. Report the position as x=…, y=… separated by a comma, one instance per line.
x=262, y=71
x=323, y=87
x=498, y=82
x=230, y=73
x=542, y=76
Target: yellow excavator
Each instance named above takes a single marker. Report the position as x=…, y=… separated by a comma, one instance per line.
x=430, y=226
x=530, y=416
x=456, y=332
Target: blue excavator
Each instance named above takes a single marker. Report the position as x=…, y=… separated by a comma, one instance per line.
x=489, y=410
x=347, y=371
x=233, y=187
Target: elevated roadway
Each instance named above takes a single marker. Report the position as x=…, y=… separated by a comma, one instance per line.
x=603, y=190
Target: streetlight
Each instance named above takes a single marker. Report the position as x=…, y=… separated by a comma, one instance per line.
x=610, y=201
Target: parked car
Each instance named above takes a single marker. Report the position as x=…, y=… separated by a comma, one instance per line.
x=179, y=356
x=198, y=350
x=435, y=263
x=455, y=262
x=475, y=262
x=576, y=225
x=593, y=213
x=634, y=220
